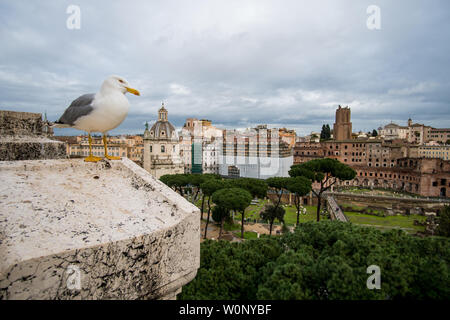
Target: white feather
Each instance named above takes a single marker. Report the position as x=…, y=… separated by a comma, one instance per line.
x=109, y=112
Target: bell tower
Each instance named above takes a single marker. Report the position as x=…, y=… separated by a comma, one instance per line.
x=162, y=113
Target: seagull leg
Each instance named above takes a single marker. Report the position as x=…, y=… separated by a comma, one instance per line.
x=106, y=150
x=91, y=158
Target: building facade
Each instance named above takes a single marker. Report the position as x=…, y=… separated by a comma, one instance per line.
x=427, y=177
x=199, y=146
x=400, y=162
x=255, y=153
x=129, y=146
x=416, y=133
x=161, y=147
x=393, y=131
x=434, y=151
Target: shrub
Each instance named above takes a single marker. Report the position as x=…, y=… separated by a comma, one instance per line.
x=325, y=260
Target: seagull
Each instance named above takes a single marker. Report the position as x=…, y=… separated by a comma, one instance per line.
x=99, y=112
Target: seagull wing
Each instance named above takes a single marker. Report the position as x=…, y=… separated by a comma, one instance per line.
x=79, y=107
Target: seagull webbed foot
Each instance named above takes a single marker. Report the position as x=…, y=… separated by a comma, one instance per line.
x=91, y=158
x=112, y=157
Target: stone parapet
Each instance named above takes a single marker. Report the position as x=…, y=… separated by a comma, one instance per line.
x=107, y=230
x=24, y=136
x=14, y=123
x=30, y=148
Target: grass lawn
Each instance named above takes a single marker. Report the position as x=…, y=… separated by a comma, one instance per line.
x=390, y=222
x=252, y=212
x=382, y=223
x=291, y=215
x=247, y=234
x=231, y=227
x=198, y=203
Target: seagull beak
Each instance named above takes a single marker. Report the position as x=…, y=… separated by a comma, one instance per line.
x=133, y=91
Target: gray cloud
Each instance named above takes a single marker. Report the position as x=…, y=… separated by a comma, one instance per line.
x=237, y=63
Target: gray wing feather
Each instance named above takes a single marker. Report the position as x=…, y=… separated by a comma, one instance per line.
x=79, y=107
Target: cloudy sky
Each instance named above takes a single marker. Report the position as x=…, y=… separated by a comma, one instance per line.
x=237, y=63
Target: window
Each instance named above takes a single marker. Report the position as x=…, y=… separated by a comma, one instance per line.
x=163, y=149
x=151, y=148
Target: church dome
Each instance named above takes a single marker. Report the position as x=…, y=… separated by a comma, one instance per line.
x=162, y=129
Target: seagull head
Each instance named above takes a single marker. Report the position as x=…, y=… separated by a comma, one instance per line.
x=118, y=83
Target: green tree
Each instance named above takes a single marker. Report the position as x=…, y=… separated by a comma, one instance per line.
x=444, y=222
x=230, y=270
x=220, y=214
x=236, y=199
x=209, y=187
x=324, y=261
x=196, y=180
x=257, y=187
x=325, y=133
x=374, y=133
x=322, y=132
x=176, y=181
x=326, y=172
x=299, y=186
x=166, y=179
x=279, y=185
x=271, y=213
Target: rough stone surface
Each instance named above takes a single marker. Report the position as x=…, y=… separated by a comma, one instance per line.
x=24, y=136
x=14, y=123
x=131, y=236
x=31, y=148
x=392, y=205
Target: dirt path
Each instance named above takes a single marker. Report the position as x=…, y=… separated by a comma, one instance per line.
x=213, y=230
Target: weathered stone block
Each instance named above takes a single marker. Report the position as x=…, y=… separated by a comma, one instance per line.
x=128, y=235
x=22, y=137
x=13, y=123
x=31, y=148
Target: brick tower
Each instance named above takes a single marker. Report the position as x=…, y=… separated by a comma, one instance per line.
x=342, y=129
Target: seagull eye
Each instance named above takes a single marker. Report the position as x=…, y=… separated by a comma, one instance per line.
x=121, y=81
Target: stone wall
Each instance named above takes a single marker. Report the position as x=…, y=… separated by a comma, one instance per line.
x=24, y=136
x=392, y=205
x=14, y=123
